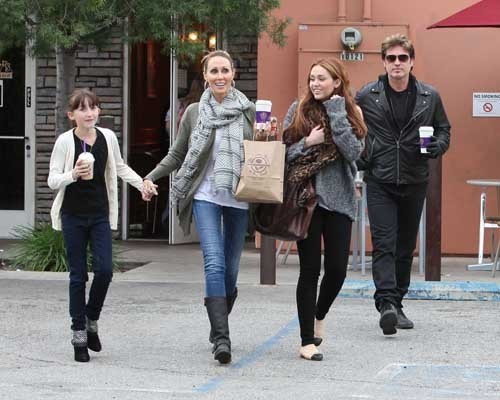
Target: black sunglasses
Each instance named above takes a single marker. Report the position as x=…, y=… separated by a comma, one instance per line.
x=401, y=57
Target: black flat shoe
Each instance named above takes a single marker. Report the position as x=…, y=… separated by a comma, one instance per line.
x=318, y=341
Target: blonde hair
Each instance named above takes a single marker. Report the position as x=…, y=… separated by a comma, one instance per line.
x=216, y=53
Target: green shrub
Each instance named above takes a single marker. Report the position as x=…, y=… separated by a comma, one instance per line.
x=41, y=248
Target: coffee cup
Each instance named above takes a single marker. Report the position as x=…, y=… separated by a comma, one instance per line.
x=89, y=159
x=262, y=113
x=425, y=133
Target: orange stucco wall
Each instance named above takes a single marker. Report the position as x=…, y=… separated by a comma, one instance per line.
x=458, y=61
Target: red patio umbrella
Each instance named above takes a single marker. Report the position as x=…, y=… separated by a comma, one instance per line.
x=485, y=13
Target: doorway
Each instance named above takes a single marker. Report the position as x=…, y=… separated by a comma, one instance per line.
x=16, y=140
x=155, y=80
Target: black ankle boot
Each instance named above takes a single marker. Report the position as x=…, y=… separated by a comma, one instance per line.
x=81, y=354
x=79, y=342
x=217, y=314
x=93, y=341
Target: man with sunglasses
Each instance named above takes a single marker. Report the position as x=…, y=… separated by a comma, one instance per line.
x=396, y=173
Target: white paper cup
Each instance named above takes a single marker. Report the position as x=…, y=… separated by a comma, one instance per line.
x=89, y=159
x=425, y=133
x=262, y=112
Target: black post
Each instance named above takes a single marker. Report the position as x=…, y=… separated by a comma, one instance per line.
x=433, y=223
x=267, y=260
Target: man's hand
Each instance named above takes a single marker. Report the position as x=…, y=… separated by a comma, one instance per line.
x=434, y=148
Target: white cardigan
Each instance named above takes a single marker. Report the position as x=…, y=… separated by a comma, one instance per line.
x=60, y=174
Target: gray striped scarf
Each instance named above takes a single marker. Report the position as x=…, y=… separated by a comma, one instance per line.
x=228, y=116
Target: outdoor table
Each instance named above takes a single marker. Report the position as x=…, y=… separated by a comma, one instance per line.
x=484, y=184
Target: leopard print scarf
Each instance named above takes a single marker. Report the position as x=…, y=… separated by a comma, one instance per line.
x=320, y=155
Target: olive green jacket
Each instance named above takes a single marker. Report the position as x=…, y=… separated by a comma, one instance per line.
x=177, y=153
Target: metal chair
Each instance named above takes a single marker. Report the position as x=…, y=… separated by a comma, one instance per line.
x=496, y=260
x=486, y=222
x=359, y=229
x=278, y=251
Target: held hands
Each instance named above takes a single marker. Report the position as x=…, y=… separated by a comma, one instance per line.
x=317, y=136
x=148, y=190
x=81, y=169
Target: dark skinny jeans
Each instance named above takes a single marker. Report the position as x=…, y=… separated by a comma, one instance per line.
x=78, y=232
x=394, y=212
x=335, y=228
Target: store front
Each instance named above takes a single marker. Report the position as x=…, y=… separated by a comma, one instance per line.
x=17, y=139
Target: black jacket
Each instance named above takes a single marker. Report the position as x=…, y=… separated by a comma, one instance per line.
x=392, y=155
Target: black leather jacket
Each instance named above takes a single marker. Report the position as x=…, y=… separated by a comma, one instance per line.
x=392, y=155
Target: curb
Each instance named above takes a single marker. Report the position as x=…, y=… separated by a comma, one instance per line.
x=460, y=291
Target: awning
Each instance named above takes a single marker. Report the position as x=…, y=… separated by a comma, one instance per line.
x=485, y=13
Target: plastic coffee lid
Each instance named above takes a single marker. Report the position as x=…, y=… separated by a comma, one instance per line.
x=86, y=156
x=264, y=104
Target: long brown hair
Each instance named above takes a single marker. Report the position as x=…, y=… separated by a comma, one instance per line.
x=308, y=105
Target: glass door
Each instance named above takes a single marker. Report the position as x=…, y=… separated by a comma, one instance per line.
x=16, y=156
x=186, y=87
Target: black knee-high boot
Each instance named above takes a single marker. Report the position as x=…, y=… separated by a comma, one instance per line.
x=230, y=303
x=217, y=314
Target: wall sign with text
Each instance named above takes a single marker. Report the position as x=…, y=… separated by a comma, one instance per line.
x=486, y=104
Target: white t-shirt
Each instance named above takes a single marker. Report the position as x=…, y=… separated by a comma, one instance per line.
x=206, y=191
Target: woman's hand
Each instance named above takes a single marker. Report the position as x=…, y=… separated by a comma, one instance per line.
x=317, y=136
x=148, y=190
x=81, y=168
x=269, y=131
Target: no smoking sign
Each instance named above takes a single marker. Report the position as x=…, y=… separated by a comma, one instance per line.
x=486, y=104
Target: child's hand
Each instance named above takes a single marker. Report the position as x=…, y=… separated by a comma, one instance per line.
x=148, y=190
x=81, y=169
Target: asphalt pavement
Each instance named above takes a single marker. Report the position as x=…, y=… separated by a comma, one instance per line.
x=154, y=331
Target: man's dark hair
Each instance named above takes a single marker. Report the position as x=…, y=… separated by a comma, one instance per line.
x=397, y=40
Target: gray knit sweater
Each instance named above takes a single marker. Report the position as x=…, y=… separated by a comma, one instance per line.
x=335, y=182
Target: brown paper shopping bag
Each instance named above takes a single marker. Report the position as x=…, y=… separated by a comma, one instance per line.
x=261, y=179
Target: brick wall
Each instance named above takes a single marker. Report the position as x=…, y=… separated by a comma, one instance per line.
x=103, y=72
x=244, y=52
x=100, y=70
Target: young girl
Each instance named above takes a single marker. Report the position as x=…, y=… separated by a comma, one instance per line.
x=86, y=209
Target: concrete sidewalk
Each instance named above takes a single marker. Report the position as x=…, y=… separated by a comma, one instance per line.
x=154, y=331
x=183, y=263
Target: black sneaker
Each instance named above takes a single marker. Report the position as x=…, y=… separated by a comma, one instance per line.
x=403, y=321
x=388, y=319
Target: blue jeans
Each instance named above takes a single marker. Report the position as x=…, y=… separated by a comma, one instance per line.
x=222, y=235
x=78, y=232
